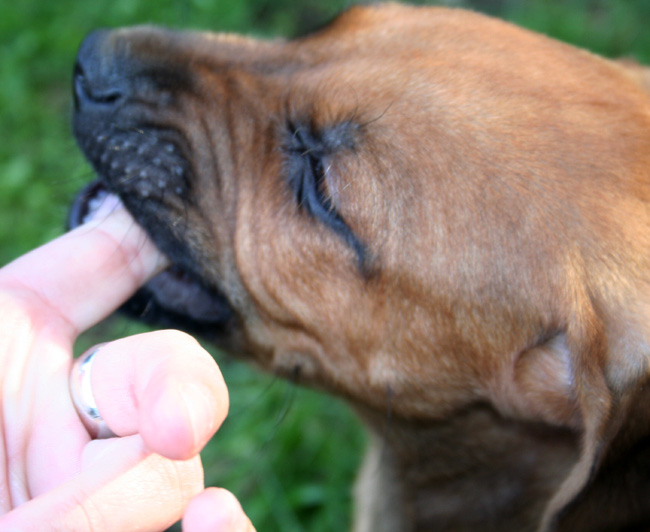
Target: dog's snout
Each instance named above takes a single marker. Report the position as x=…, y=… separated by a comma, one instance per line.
x=97, y=80
x=88, y=91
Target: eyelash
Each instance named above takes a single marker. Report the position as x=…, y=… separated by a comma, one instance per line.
x=307, y=153
x=308, y=183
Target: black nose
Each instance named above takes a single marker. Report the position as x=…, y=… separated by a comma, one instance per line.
x=97, y=79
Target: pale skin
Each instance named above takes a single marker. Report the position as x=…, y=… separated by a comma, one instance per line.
x=160, y=393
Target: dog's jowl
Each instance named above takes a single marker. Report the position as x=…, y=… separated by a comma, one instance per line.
x=424, y=211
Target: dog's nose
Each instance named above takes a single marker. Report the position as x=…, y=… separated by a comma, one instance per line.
x=97, y=80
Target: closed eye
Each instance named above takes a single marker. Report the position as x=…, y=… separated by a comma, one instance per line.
x=307, y=155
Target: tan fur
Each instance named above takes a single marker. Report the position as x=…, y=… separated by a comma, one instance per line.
x=500, y=181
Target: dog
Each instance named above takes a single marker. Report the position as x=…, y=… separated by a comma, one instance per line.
x=436, y=215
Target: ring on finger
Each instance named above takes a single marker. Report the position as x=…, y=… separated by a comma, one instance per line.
x=83, y=399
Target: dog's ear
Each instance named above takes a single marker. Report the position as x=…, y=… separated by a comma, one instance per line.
x=593, y=379
x=589, y=378
x=584, y=351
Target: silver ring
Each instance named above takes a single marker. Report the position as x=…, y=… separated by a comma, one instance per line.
x=83, y=399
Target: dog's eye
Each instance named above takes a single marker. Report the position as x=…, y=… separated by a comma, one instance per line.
x=307, y=157
x=307, y=178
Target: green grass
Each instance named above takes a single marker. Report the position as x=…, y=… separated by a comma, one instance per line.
x=277, y=450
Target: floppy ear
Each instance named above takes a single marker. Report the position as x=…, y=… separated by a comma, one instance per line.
x=590, y=378
x=586, y=348
x=608, y=372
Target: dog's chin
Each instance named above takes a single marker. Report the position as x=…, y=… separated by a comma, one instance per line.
x=174, y=298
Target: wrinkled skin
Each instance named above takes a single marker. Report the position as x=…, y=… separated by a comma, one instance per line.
x=431, y=213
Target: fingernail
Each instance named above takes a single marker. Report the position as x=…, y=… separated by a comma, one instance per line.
x=103, y=205
x=199, y=403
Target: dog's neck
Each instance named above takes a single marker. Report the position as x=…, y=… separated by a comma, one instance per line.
x=480, y=471
x=477, y=471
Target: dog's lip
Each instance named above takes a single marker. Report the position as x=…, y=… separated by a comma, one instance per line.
x=175, y=291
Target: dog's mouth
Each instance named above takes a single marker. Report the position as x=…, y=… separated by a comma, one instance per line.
x=174, y=298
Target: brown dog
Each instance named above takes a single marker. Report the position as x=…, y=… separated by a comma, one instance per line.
x=440, y=217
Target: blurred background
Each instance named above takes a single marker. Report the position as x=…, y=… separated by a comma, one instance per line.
x=289, y=454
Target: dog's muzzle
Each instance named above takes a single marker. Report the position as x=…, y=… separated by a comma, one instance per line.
x=143, y=163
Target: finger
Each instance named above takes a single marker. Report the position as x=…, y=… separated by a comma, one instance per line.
x=84, y=275
x=162, y=385
x=122, y=486
x=216, y=510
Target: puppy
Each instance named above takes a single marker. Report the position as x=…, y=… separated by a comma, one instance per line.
x=438, y=216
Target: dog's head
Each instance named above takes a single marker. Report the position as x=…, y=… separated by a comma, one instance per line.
x=417, y=206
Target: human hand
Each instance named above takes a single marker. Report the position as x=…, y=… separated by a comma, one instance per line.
x=160, y=393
